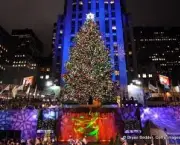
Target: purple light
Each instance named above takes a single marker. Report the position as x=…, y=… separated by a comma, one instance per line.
x=142, y=116
x=34, y=116
x=156, y=116
x=162, y=117
x=146, y=110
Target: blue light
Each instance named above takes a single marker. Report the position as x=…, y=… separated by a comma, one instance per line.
x=66, y=42
x=49, y=114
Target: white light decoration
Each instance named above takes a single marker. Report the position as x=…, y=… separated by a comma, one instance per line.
x=90, y=16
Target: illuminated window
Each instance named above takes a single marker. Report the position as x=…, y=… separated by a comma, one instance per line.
x=116, y=73
x=150, y=75
x=47, y=77
x=42, y=69
x=144, y=76
x=130, y=52
x=41, y=77
x=48, y=69
x=114, y=27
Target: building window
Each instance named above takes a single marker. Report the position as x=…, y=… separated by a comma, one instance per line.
x=79, y=24
x=117, y=77
x=112, y=6
x=113, y=14
x=107, y=26
x=41, y=77
x=42, y=69
x=113, y=22
x=97, y=5
x=74, y=8
x=97, y=22
x=97, y=14
x=107, y=39
x=116, y=73
x=72, y=30
x=116, y=58
x=106, y=6
x=89, y=5
x=80, y=15
x=80, y=7
x=130, y=52
x=73, y=15
x=106, y=14
x=48, y=69
x=47, y=77
x=150, y=75
x=144, y=76
x=73, y=23
x=116, y=67
x=114, y=38
x=114, y=29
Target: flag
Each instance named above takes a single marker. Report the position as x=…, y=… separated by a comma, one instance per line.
x=35, y=91
x=164, y=80
x=14, y=91
x=7, y=88
x=152, y=88
x=20, y=88
x=28, y=90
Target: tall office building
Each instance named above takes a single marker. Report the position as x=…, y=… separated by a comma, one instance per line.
x=27, y=48
x=113, y=24
x=160, y=47
x=5, y=41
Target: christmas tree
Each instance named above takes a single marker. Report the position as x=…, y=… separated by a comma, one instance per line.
x=89, y=68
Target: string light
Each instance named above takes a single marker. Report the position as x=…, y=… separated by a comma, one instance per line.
x=89, y=69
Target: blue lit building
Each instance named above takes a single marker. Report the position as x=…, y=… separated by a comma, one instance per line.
x=112, y=20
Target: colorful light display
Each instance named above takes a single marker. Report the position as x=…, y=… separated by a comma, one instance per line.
x=168, y=118
x=96, y=126
x=88, y=69
x=23, y=120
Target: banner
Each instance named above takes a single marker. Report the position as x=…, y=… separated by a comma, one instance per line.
x=28, y=81
x=164, y=80
x=152, y=88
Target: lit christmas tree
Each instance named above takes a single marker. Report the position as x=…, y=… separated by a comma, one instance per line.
x=89, y=68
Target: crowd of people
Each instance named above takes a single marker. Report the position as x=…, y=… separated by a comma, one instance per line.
x=33, y=103
x=37, y=141
x=72, y=141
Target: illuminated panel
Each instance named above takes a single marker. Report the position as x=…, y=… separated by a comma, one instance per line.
x=92, y=125
x=23, y=120
x=165, y=118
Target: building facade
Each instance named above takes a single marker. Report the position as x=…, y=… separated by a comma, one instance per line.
x=27, y=48
x=111, y=18
x=159, y=46
x=5, y=41
x=44, y=72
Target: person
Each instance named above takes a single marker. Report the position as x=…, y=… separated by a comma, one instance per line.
x=70, y=140
x=84, y=140
x=78, y=142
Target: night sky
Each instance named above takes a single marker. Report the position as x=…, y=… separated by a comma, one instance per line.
x=41, y=14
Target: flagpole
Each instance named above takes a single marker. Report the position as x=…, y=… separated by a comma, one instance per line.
x=157, y=87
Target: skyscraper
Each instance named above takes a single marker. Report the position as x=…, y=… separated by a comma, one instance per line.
x=111, y=19
x=5, y=41
x=159, y=46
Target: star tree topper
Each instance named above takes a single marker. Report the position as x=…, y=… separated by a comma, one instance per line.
x=90, y=16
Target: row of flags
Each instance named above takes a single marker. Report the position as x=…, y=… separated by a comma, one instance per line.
x=15, y=90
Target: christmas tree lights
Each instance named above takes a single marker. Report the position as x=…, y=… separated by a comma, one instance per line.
x=88, y=69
